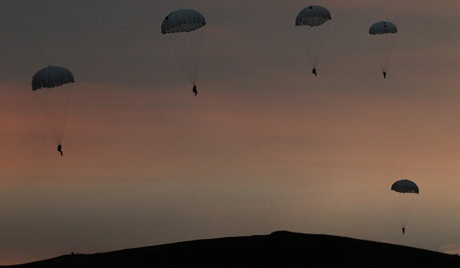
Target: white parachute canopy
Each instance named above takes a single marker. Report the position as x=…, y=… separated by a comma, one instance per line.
x=404, y=193
x=383, y=38
x=182, y=20
x=383, y=27
x=183, y=27
x=51, y=76
x=312, y=20
x=312, y=16
x=53, y=92
x=405, y=186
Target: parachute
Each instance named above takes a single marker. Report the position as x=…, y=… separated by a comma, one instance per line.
x=313, y=18
x=383, y=37
x=405, y=186
x=182, y=27
x=50, y=77
x=404, y=196
x=54, y=97
x=182, y=20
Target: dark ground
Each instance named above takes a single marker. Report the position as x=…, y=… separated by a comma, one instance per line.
x=279, y=249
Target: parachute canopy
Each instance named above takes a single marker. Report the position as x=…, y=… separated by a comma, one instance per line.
x=182, y=20
x=405, y=186
x=51, y=76
x=383, y=27
x=312, y=16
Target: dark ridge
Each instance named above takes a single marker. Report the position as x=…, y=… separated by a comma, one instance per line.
x=279, y=249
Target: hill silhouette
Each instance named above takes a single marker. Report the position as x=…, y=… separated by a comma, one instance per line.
x=279, y=249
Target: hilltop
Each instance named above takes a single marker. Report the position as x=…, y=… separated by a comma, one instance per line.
x=279, y=249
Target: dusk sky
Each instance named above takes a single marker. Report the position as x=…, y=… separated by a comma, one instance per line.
x=264, y=146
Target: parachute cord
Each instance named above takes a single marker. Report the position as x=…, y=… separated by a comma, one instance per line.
x=321, y=43
x=188, y=56
x=64, y=99
x=313, y=42
x=48, y=116
x=65, y=96
x=383, y=46
x=195, y=78
x=55, y=105
x=390, y=51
